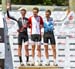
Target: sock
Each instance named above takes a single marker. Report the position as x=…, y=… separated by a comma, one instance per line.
x=39, y=59
x=55, y=61
x=32, y=60
x=47, y=60
x=27, y=58
x=20, y=58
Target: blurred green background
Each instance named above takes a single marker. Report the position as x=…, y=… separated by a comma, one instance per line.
x=41, y=2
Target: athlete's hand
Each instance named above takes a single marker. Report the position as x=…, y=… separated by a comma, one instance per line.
x=41, y=26
x=25, y=26
x=8, y=6
x=17, y=33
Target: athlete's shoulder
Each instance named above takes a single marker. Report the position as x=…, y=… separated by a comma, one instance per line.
x=19, y=18
x=30, y=19
x=26, y=18
x=51, y=19
x=30, y=16
x=41, y=20
x=40, y=17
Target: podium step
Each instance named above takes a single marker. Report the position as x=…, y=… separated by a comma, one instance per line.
x=38, y=67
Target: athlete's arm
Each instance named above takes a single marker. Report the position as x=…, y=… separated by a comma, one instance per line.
x=41, y=22
x=10, y=16
x=26, y=26
x=51, y=24
x=29, y=22
x=45, y=25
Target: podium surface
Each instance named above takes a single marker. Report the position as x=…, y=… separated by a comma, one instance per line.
x=39, y=67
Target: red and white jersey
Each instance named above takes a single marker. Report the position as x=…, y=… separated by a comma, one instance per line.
x=35, y=24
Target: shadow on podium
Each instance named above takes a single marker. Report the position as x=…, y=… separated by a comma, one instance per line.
x=39, y=67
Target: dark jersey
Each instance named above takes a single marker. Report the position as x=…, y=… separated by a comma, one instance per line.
x=21, y=22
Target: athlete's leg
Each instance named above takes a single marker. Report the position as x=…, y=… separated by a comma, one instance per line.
x=33, y=54
x=19, y=52
x=20, y=48
x=54, y=55
x=26, y=42
x=33, y=51
x=46, y=51
x=39, y=50
x=53, y=44
x=46, y=47
x=46, y=38
x=33, y=46
x=54, y=51
x=26, y=51
x=39, y=53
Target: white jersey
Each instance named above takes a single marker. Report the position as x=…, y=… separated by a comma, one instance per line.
x=35, y=23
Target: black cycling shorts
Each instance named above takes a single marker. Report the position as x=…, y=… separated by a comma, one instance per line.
x=22, y=37
x=36, y=37
x=49, y=36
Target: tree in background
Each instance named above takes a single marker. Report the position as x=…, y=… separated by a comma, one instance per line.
x=61, y=2
x=0, y=1
x=37, y=2
x=24, y=2
x=47, y=2
x=41, y=2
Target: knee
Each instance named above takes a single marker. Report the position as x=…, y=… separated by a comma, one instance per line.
x=39, y=48
x=26, y=47
x=53, y=47
x=19, y=47
x=33, y=48
x=46, y=49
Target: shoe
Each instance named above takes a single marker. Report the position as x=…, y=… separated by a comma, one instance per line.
x=32, y=63
x=55, y=64
x=27, y=64
x=47, y=64
x=22, y=64
x=39, y=63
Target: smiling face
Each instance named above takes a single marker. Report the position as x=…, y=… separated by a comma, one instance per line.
x=48, y=13
x=23, y=12
x=35, y=11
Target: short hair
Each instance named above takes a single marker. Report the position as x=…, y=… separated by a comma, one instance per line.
x=35, y=8
x=23, y=10
x=48, y=11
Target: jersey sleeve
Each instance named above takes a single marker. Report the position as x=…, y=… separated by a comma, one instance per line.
x=52, y=21
x=11, y=16
x=41, y=21
x=29, y=22
x=51, y=24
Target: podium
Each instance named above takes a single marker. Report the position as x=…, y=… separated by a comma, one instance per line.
x=38, y=67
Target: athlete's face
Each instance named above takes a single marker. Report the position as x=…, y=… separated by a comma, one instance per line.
x=35, y=12
x=47, y=14
x=23, y=13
